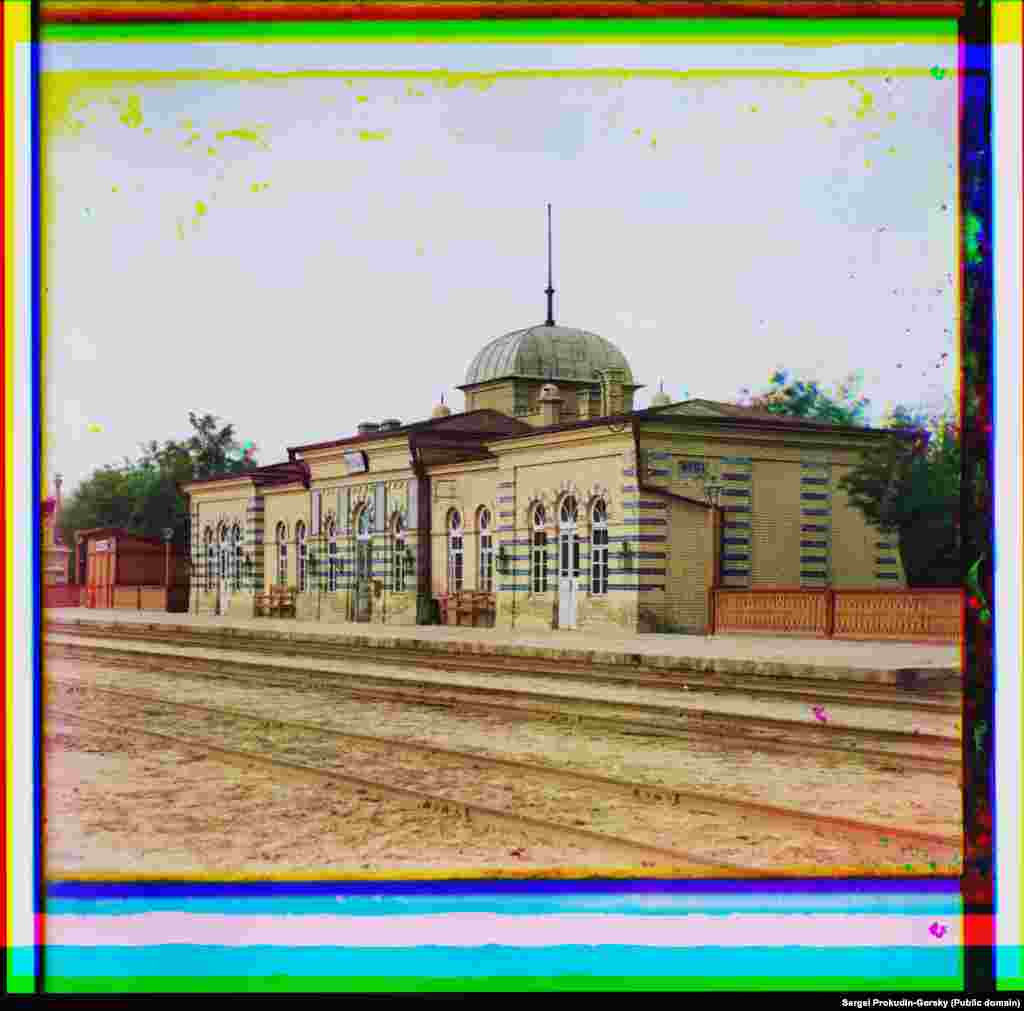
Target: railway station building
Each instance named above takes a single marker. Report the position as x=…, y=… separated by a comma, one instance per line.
x=548, y=502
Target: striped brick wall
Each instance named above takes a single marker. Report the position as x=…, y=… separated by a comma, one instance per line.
x=253, y=541
x=644, y=528
x=198, y=577
x=815, y=523
x=737, y=503
x=886, y=560
x=505, y=538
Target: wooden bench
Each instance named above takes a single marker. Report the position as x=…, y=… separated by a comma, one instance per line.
x=277, y=602
x=469, y=607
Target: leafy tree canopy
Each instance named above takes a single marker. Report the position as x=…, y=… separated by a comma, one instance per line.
x=907, y=486
x=142, y=495
x=805, y=398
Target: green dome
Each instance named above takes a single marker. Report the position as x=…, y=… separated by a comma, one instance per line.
x=546, y=352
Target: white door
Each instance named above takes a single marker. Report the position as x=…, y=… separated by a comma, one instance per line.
x=568, y=563
x=566, y=602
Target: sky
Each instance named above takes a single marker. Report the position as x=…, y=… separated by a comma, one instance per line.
x=297, y=254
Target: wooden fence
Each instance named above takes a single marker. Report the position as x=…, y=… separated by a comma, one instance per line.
x=150, y=598
x=904, y=615
x=62, y=595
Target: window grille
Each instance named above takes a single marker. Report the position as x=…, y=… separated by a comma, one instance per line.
x=486, y=581
x=211, y=559
x=399, y=559
x=224, y=557
x=332, y=557
x=236, y=570
x=538, y=553
x=599, y=549
x=568, y=538
x=282, y=555
x=300, y=542
x=454, y=552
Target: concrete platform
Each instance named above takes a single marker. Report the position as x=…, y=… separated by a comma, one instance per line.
x=897, y=663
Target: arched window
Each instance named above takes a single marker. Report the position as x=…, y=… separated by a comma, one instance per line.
x=454, y=552
x=568, y=539
x=486, y=581
x=282, y=555
x=236, y=552
x=363, y=526
x=300, y=553
x=538, y=553
x=364, y=547
x=209, y=558
x=399, y=558
x=224, y=555
x=333, y=559
x=599, y=548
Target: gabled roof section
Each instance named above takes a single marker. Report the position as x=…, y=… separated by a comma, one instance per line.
x=483, y=423
x=729, y=415
x=285, y=472
x=715, y=408
x=119, y=532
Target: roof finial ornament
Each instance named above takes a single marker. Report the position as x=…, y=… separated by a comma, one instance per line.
x=549, y=291
x=661, y=398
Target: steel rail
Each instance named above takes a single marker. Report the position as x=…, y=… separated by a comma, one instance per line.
x=705, y=716
x=276, y=677
x=471, y=812
x=645, y=791
x=803, y=687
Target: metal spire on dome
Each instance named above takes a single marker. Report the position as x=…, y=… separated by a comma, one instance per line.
x=549, y=291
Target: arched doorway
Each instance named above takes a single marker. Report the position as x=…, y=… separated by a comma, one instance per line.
x=568, y=562
x=364, y=567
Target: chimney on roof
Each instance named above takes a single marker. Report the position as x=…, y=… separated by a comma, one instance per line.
x=390, y=424
x=368, y=427
x=613, y=394
x=550, y=404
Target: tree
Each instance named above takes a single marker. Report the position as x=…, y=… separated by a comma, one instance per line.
x=142, y=496
x=214, y=451
x=911, y=487
x=804, y=398
x=908, y=485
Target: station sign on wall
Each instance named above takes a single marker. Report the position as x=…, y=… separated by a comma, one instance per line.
x=355, y=462
x=102, y=546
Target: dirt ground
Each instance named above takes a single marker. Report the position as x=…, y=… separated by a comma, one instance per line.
x=120, y=806
x=117, y=804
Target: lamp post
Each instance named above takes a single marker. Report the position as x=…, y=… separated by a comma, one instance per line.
x=627, y=557
x=168, y=537
x=712, y=493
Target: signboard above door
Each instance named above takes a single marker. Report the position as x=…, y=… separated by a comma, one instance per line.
x=355, y=462
x=102, y=546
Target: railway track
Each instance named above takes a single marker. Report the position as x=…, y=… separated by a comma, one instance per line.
x=941, y=697
x=646, y=855
x=655, y=816
x=897, y=750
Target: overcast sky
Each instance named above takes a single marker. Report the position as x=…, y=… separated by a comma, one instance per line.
x=297, y=255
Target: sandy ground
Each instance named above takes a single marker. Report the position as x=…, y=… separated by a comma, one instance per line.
x=118, y=804
x=122, y=806
x=825, y=785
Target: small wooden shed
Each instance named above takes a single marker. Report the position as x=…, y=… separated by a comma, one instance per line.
x=126, y=571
